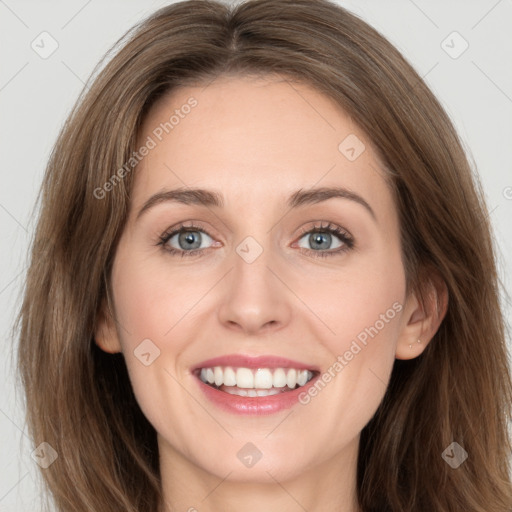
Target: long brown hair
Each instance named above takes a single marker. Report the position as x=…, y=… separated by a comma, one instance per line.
x=79, y=399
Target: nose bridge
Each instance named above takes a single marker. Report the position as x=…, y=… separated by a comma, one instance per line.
x=252, y=280
x=254, y=298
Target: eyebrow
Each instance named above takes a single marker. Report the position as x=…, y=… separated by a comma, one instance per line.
x=210, y=198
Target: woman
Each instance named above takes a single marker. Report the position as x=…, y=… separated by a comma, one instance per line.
x=333, y=338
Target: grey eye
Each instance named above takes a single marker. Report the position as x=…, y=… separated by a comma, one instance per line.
x=189, y=240
x=320, y=240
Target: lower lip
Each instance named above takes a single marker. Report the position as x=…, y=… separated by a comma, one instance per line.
x=259, y=405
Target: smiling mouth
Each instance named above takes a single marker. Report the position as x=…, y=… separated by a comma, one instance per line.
x=254, y=382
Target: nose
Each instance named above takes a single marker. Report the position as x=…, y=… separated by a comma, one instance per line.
x=255, y=298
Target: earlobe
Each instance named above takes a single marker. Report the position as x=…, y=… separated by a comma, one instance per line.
x=422, y=319
x=105, y=333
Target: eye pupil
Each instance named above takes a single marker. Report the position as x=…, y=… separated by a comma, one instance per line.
x=187, y=238
x=190, y=238
x=316, y=240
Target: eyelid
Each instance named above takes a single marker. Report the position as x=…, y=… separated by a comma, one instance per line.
x=189, y=225
x=179, y=228
x=341, y=233
x=330, y=226
x=347, y=240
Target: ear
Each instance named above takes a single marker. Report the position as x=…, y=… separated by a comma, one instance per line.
x=421, y=319
x=105, y=333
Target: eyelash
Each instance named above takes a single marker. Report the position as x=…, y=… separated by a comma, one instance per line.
x=346, y=239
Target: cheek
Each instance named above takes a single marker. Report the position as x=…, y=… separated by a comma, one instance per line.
x=360, y=302
x=359, y=312
x=150, y=299
x=149, y=306
x=360, y=308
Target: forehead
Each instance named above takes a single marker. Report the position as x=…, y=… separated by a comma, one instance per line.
x=255, y=140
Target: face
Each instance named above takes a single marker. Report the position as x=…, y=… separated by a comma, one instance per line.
x=272, y=269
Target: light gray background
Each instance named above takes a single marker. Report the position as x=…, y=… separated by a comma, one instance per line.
x=36, y=95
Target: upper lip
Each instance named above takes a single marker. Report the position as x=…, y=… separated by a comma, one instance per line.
x=263, y=361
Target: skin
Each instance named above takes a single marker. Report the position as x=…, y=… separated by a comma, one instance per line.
x=256, y=141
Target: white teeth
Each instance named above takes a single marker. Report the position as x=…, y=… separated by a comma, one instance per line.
x=267, y=392
x=229, y=377
x=291, y=378
x=302, y=377
x=245, y=392
x=279, y=378
x=219, y=376
x=261, y=379
x=236, y=391
x=244, y=378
